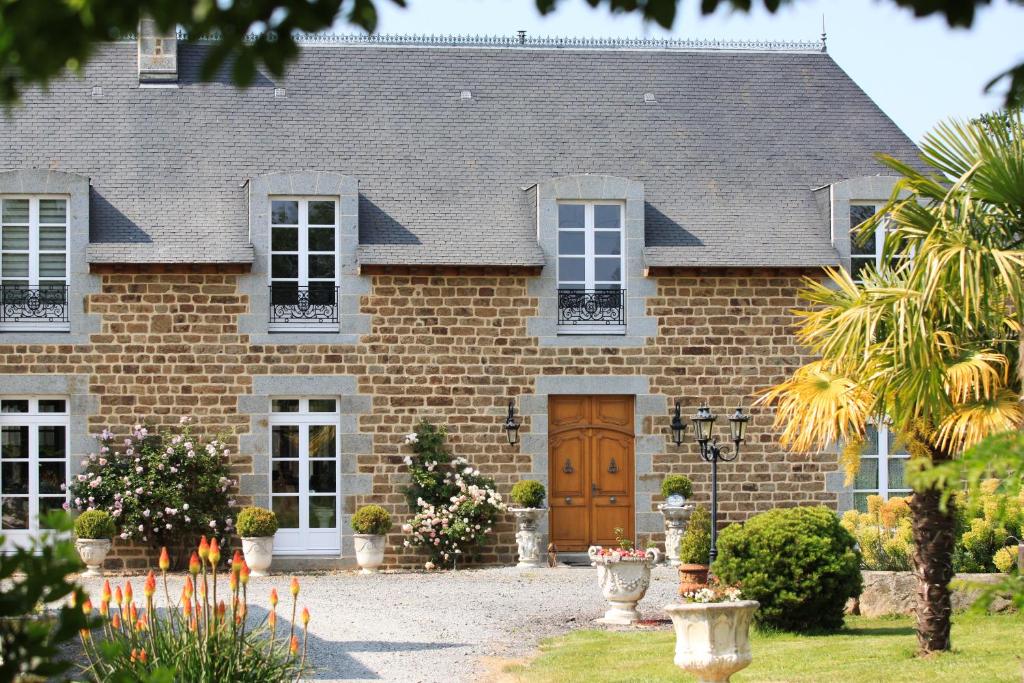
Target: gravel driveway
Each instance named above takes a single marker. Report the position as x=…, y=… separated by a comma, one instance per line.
x=436, y=626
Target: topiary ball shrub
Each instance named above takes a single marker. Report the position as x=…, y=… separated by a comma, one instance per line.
x=256, y=522
x=695, y=546
x=95, y=524
x=799, y=563
x=528, y=494
x=676, y=485
x=371, y=519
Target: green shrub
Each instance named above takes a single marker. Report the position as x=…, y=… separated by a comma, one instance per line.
x=528, y=493
x=676, y=485
x=695, y=546
x=799, y=563
x=256, y=522
x=95, y=524
x=984, y=524
x=371, y=519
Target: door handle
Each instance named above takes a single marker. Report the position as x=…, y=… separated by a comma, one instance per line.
x=593, y=489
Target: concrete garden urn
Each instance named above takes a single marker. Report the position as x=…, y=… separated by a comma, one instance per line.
x=369, y=552
x=676, y=517
x=624, y=577
x=528, y=536
x=258, y=551
x=712, y=639
x=93, y=552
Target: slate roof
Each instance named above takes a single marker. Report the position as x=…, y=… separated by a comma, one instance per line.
x=729, y=152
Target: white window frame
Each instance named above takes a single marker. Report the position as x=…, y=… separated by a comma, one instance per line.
x=33, y=252
x=880, y=233
x=589, y=255
x=882, y=458
x=33, y=419
x=306, y=540
x=303, y=253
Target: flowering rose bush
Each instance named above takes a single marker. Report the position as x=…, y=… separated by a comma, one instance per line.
x=455, y=506
x=163, y=489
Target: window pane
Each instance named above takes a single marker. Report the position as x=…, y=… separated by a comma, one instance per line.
x=323, y=294
x=571, y=269
x=285, y=405
x=571, y=243
x=52, y=440
x=51, y=265
x=867, y=476
x=321, y=239
x=52, y=405
x=322, y=512
x=15, y=211
x=284, y=212
x=48, y=504
x=571, y=216
x=322, y=439
x=860, y=266
x=53, y=211
x=321, y=213
x=895, y=447
x=13, y=264
x=322, y=405
x=607, y=216
x=321, y=265
x=284, y=239
x=608, y=269
x=14, y=237
x=52, y=238
x=866, y=248
x=860, y=213
x=323, y=476
x=284, y=265
x=13, y=442
x=896, y=472
x=14, y=477
x=51, y=476
x=284, y=476
x=14, y=406
x=284, y=441
x=607, y=243
x=287, y=510
x=860, y=501
x=15, y=513
x=870, y=441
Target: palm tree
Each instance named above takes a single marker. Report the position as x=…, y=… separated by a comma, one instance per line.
x=931, y=341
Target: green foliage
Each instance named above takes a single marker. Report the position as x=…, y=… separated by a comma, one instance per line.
x=371, y=519
x=528, y=493
x=95, y=524
x=884, y=534
x=695, y=546
x=799, y=563
x=256, y=522
x=986, y=521
x=1005, y=559
x=34, y=576
x=164, y=489
x=676, y=485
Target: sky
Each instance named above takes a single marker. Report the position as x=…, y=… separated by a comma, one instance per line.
x=918, y=71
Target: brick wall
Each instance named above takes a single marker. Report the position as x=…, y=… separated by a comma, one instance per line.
x=450, y=347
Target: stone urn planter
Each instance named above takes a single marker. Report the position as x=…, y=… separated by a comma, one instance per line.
x=624, y=577
x=712, y=639
x=258, y=551
x=528, y=536
x=369, y=552
x=675, y=524
x=692, y=577
x=93, y=552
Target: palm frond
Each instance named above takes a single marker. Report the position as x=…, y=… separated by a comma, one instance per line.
x=971, y=422
x=976, y=375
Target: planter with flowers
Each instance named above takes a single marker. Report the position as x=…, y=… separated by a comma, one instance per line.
x=624, y=574
x=94, y=530
x=256, y=528
x=712, y=627
x=371, y=523
x=675, y=489
x=528, y=497
x=695, y=552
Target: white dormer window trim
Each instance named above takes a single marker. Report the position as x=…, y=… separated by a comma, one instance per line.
x=591, y=261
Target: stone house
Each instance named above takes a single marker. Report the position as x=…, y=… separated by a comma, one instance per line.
x=402, y=230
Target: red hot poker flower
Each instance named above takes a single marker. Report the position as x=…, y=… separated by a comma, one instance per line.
x=165, y=559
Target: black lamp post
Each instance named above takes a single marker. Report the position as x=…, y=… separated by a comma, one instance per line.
x=512, y=424
x=711, y=452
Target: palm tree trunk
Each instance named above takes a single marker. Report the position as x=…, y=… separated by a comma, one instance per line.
x=934, y=539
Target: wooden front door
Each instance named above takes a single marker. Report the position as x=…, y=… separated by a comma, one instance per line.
x=590, y=461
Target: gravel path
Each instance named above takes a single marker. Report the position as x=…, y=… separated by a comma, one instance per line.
x=427, y=627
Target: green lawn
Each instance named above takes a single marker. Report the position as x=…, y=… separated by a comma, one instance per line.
x=986, y=649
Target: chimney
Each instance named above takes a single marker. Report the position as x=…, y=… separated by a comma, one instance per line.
x=158, y=54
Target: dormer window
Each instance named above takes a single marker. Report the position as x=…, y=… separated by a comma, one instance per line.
x=867, y=252
x=33, y=263
x=303, y=264
x=591, y=270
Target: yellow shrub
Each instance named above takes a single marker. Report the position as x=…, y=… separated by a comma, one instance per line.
x=883, y=533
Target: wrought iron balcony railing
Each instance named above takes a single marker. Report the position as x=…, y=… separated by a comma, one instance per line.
x=316, y=304
x=591, y=307
x=43, y=305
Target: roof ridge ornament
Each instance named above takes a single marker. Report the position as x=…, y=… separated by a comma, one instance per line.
x=824, y=36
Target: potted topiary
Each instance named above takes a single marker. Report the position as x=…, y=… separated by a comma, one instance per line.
x=94, y=530
x=370, y=523
x=695, y=552
x=675, y=489
x=256, y=527
x=624, y=574
x=528, y=497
